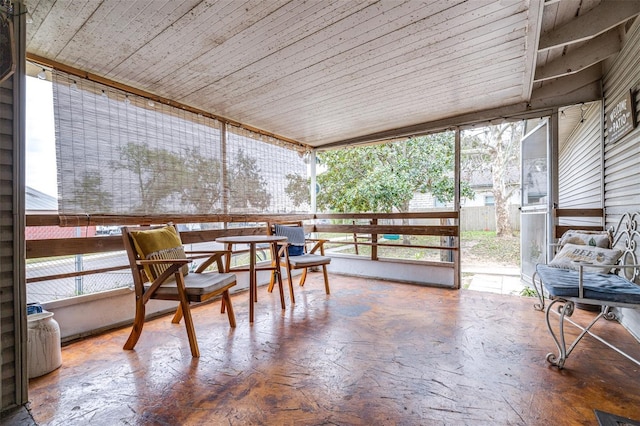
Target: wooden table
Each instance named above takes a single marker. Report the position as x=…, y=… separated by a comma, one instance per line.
x=252, y=241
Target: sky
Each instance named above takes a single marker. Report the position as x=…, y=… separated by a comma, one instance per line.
x=40, y=138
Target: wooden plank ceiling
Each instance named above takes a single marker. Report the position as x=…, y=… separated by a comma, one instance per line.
x=319, y=72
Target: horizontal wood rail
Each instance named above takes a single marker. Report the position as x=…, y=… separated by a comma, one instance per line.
x=378, y=244
x=76, y=274
x=231, y=225
x=105, y=220
x=444, y=231
x=559, y=230
x=71, y=246
x=578, y=212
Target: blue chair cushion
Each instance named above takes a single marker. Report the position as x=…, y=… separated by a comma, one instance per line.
x=606, y=287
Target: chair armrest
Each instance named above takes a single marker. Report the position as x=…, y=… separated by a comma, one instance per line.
x=319, y=244
x=283, y=249
x=211, y=256
x=175, y=268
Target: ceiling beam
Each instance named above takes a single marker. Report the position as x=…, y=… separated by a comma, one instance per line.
x=583, y=86
x=601, y=18
x=594, y=51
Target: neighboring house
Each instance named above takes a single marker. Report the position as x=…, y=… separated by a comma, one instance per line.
x=37, y=202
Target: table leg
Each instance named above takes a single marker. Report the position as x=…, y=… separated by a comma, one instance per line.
x=252, y=279
x=277, y=272
x=228, y=257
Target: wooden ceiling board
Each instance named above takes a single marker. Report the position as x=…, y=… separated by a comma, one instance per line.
x=174, y=52
x=557, y=15
x=234, y=54
x=313, y=71
x=285, y=29
x=381, y=86
x=445, y=98
x=133, y=24
x=54, y=24
x=318, y=123
x=362, y=63
x=349, y=60
x=446, y=80
x=331, y=37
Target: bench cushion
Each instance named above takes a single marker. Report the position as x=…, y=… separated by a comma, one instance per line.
x=594, y=256
x=606, y=287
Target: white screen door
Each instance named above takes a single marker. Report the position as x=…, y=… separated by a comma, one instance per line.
x=535, y=190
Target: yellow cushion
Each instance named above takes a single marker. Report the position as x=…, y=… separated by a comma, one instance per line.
x=153, y=240
x=159, y=243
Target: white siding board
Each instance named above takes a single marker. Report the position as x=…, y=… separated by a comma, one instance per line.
x=622, y=158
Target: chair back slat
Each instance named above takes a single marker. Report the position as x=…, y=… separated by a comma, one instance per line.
x=166, y=254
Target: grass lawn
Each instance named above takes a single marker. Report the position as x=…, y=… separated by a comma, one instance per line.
x=477, y=247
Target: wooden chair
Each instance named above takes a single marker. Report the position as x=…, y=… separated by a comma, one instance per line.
x=296, y=254
x=160, y=268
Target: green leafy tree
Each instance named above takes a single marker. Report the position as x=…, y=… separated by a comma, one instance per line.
x=88, y=194
x=248, y=189
x=495, y=149
x=159, y=173
x=298, y=189
x=204, y=189
x=385, y=177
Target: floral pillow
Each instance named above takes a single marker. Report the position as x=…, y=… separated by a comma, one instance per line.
x=596, y=257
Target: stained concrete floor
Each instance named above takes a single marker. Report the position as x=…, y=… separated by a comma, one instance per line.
x=371, y=353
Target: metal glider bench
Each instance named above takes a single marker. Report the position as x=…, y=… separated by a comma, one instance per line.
x=591, y=281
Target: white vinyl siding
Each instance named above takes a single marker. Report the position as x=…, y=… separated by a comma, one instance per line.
x=580, y=167
x=622, y=158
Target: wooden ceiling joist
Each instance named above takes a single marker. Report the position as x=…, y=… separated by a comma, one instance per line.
x=594, y=51
x=598, y=20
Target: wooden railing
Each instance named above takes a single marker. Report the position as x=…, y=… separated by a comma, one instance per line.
x=577, y=214
x=447, y=229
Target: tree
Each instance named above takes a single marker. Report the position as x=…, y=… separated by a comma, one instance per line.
x=205, y=188
x=247, y=186
x=159, y=173
x=386, y=177
x=298, y=189
x=497, y=149
x=88, y=194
